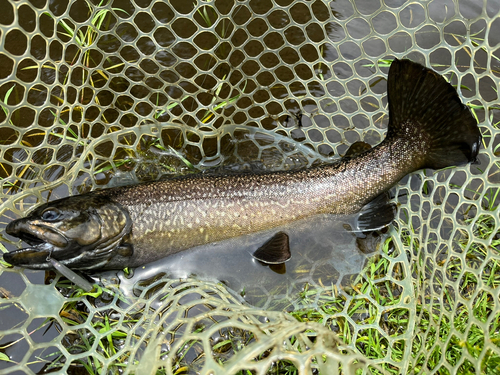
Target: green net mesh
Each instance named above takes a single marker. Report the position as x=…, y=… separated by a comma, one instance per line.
x=102, y=93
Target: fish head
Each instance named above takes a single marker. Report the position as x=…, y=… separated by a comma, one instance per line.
x=81, y=232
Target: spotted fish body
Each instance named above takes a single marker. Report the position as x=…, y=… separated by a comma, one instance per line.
x=429, y=127
x=174, y=215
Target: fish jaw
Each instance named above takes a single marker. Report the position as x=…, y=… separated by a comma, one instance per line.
x=31, y=257
x=34, y=233
x=44, y=242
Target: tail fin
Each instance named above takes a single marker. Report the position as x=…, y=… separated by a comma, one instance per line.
x=423, y=106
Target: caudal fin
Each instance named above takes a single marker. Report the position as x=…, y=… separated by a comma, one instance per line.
x=424, y=108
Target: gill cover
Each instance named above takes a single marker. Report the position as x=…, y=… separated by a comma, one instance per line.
x=81, y=232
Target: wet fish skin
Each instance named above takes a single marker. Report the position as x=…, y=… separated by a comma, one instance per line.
x=174, y=215
x=429, y=127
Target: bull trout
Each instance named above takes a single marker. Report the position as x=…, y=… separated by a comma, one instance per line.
x=429, y=127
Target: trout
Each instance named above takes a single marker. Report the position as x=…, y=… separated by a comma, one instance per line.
x=429, y=127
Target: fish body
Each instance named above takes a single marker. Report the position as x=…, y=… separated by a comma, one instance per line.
x=429, y=127
x=178, y=214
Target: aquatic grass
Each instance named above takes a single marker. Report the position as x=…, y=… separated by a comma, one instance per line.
x=173, y=150
x=73, y=137
x=160, y=112
x=77, y=341
x=74, y=314
x=204, y=14
x=111, y=165
x=476, y=42
x=19, y=184
x=481, y=307
x=5, y=101
x=381, y=63
x=214, y=105
x=5, y=358
x=372, y=344
x=12, y=185
x=89, y=37
x=332, y=309
x=236, y=339
x=84, y=39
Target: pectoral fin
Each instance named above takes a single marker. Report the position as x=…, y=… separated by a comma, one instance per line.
x=274, y=251
x=125, y=250
x=377, y=214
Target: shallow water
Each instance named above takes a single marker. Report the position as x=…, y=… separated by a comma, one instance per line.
x=324, y=253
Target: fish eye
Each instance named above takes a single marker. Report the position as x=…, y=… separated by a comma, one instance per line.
x=51, y=214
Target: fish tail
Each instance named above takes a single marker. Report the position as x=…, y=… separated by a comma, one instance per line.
x=427, y=111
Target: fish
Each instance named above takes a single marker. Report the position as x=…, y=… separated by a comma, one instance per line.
x=129, y=226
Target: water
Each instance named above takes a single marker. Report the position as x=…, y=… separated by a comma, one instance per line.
x=324, y=253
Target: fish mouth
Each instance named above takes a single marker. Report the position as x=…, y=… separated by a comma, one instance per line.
x=29, y=238
x=44, y=243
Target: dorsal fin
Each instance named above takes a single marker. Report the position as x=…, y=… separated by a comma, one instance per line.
x=357, y=148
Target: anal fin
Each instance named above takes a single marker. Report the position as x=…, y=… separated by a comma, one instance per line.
x=375, y=215
x=275, y=251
